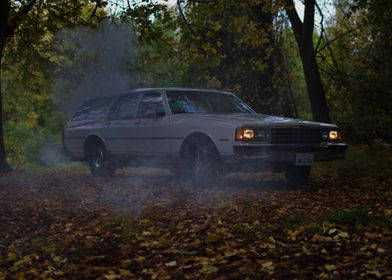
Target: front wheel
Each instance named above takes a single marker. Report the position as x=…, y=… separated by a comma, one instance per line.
x=99, y=162
x=298, y=175
x=204, y=164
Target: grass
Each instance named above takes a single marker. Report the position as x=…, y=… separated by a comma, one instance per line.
x=292, y=222
x=357, y=216
x=361, y=162
x=64, y=167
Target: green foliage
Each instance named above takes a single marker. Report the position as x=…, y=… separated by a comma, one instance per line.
x=361, y=162
x=357, y=69
x=353, y=217
x=292, y=222
x=22, y=143
x=356, y=216
x=221, y=44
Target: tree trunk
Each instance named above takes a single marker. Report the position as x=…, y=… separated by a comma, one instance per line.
x=303, y=32
x=4, y=15
x=313, y=83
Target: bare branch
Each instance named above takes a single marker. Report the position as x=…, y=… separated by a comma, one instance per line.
x=184, y=18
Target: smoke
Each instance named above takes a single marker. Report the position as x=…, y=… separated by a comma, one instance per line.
x=99, y=61
x=94, y=62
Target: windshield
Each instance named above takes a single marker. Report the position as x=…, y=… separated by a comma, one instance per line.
x=193, y=102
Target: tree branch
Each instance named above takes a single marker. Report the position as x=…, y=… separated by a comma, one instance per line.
x=184, y=18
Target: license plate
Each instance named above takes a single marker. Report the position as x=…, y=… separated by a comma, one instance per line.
x=302, y=159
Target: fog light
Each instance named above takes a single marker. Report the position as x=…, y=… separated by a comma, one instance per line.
x=334, y=135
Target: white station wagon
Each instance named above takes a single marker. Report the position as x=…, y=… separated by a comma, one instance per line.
x=196, y=133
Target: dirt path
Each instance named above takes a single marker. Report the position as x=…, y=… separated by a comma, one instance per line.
x=144, y=224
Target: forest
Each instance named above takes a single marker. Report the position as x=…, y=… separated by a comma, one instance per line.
x=323, y=60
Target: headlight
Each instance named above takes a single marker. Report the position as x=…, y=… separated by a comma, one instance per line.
x=333, y=135
x=244, y=134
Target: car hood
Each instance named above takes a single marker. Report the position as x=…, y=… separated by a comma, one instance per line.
x=262, y=120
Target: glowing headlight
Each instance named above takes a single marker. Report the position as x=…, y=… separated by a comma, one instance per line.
x=334, y=135
x=244, y=134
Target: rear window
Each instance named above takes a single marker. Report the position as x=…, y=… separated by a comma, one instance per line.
x=93, y=109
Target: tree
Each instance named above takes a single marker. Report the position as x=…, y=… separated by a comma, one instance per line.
x=303, y=32
x=8, y=26
x=232, y=45
x=28, y=61
x=355, y=63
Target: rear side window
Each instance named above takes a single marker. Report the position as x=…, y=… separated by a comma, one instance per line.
x=125, y=107
x=93, y=109
x=151, y=105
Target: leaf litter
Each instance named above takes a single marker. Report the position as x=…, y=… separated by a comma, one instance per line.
x=146, y=225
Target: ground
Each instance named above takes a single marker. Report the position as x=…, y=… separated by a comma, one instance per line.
x=144, y=224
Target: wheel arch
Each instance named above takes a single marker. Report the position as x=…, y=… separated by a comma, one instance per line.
x=91, y=140
x=195, y=137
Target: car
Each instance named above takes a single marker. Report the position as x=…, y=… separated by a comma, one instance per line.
x=196, y=133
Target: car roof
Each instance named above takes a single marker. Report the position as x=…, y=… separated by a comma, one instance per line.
x=140, y=90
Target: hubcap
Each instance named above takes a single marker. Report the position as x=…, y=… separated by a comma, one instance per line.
x=98, y=158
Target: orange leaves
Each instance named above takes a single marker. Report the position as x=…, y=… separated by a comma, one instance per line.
x=234, y=231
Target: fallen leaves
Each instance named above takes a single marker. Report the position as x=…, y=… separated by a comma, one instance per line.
x=178, y=232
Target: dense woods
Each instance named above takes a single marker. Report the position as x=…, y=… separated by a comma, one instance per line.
x=329, y=62
x=324, y=60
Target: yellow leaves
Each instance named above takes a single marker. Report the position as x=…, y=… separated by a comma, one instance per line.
x=140, y=259
x=68, y=227
x=374, y=273
x=32, y=119
x=146, y=233
x=341, y=234
x=171, y=264
x=320, y=238
x=111, y=275
x=12, y=256
x=330, y=267
x=208, y=269
x=292, y=234
x=268, y=267
x=229, y=254
x=217, y=26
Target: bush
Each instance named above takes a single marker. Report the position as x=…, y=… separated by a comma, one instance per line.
x=25, y=145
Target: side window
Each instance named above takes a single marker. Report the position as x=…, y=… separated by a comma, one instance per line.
x=125, y=107
x=93, y=109
x=151, y=105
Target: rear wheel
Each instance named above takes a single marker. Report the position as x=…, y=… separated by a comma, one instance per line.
x=99, y=162
x=298, y=175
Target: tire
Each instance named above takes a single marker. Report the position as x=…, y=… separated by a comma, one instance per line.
x=203, y=160
x=298, y=175
x=99, y=163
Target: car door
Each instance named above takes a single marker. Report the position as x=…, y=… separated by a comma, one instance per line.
x=119, y=129
x=153, y=126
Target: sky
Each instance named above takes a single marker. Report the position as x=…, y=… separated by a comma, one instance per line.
x=325, y=5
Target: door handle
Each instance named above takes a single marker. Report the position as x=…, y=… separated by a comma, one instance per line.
x=137, y=122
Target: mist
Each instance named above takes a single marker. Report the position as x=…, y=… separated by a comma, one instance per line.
x=101, y=61
x=96, y=62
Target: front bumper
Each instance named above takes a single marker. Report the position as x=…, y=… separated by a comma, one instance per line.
x=273, y=152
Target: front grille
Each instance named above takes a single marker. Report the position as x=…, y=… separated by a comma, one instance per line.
x=296, y=135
